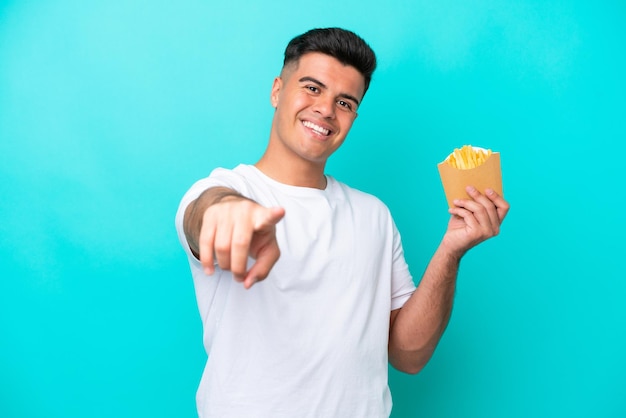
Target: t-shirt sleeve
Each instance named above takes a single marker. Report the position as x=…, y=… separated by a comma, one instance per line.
x=219, y=177
x=402, y=286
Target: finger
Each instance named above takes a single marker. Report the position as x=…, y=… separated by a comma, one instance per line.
x=239, y=250
x=501, y=204
x=491, y=209
x=249, y=281
x=486, y=211
x=223, y=239
x=266, y=257
x=268, y=217
x=467, y=216
x=205, y=246
x=478, y=212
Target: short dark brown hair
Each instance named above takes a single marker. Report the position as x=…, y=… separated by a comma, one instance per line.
x=341, y=44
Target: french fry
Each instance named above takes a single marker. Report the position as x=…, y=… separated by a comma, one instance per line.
x=468, y=157
x=470, y=166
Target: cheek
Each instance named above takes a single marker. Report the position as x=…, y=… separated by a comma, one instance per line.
x=347, y=123
x=288, y=109
x=296, y=101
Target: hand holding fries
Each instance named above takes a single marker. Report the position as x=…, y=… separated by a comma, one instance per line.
x=472, y=182
x=474, y=220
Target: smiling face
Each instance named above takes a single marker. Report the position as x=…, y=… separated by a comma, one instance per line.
x=316, y=101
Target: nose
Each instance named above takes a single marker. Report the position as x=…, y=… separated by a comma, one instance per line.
x=325, y=106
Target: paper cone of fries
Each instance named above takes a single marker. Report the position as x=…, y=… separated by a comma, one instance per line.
x=470, y=166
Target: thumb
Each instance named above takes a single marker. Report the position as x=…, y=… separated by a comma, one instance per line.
x=268, y=217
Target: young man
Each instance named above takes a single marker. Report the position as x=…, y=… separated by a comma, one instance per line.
x=301, y=281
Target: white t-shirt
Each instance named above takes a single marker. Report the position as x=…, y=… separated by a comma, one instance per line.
x=311, y=339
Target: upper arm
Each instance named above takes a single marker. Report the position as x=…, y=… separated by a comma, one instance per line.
x=392, y=319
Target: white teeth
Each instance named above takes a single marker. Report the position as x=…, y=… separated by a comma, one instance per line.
x=316, y=128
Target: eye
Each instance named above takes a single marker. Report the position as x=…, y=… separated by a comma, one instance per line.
x=313, y=89
x=345, y=105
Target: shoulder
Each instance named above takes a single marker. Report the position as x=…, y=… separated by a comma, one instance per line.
x=236, y=179
x=358, y=197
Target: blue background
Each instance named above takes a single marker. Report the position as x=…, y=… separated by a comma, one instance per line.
x=109, y=110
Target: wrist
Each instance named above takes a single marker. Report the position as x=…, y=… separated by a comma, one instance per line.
x=450, y=251
x=225, y=196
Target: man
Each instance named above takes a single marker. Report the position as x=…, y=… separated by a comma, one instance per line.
x=301, y=281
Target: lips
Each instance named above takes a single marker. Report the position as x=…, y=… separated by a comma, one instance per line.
x=316, y=128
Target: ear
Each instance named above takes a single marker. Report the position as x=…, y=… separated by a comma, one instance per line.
x=278, y=83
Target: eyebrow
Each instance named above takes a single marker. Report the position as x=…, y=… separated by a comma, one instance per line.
x=322, y=85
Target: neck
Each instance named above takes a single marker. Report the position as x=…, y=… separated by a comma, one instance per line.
x=293, y=173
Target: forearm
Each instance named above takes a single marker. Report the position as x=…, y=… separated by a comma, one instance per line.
x=419, y=325
x=194, y=213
